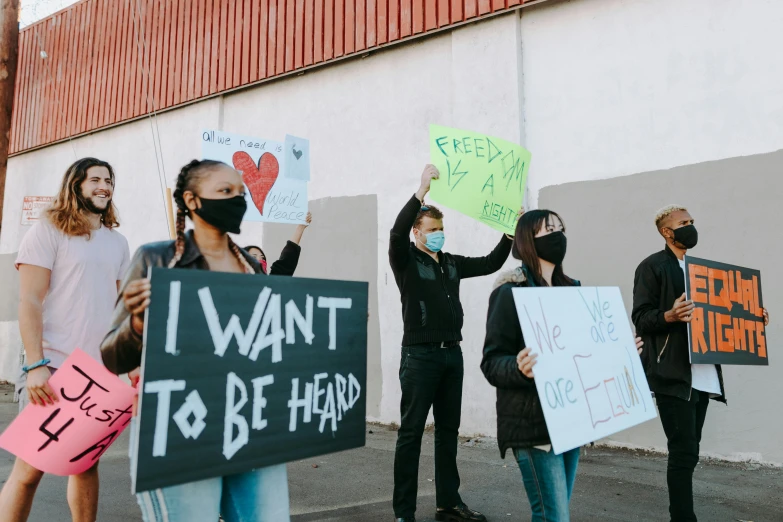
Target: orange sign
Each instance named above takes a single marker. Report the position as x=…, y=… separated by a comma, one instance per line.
x=728, y=321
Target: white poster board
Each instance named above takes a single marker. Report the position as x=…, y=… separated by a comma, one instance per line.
x=589, y=376
x=276, y=193
x=33, y=207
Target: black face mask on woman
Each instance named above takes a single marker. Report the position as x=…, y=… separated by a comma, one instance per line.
x=223, y=214
x=551, y=247
x=687, y=236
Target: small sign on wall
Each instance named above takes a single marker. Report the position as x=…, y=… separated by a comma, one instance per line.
x=33, y=207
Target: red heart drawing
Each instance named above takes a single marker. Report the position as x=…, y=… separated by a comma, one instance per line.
x=258, y=179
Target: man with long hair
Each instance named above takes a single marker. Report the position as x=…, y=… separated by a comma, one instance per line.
x=431, y=368
x=70, y=267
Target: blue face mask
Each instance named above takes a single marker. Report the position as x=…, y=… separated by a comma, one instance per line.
x=435, y=241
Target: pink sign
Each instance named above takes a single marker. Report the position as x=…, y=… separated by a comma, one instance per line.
x=68, y=437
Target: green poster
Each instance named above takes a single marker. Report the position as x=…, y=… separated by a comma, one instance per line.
x=481, y=176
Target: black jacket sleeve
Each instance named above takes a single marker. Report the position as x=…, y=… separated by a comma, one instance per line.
x=399, y=242
x=121, y=348
x=481, y=266
x=503, y=342
x=647, y=317
x=289, y=259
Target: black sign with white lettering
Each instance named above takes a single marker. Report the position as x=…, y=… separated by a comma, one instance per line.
x=241, y=372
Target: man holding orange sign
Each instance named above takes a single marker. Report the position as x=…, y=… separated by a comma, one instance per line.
x=682, y=386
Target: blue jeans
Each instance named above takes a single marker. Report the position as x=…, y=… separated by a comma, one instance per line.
x=260, y=495
x=549, y=481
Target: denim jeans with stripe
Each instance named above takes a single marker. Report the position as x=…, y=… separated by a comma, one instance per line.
x=260, y=495
x=549, y=481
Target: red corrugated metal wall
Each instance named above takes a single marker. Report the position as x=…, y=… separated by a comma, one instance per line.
x=101, y=62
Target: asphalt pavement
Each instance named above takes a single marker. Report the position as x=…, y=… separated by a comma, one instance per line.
x=356, y=486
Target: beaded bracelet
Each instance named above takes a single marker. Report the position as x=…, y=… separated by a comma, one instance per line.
x=42, y=362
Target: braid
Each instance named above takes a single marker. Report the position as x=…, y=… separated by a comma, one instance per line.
x=235, y=250
x=179, y=244
x=183, y=180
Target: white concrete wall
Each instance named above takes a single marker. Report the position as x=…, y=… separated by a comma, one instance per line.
x=594, y=88
x=616, y=87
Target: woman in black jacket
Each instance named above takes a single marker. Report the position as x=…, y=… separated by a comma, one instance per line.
x=540, y=243
x=289, y=257
x=211, y=194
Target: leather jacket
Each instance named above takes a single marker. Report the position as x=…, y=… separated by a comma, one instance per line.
x=121, y=348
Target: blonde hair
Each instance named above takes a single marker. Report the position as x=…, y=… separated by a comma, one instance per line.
x=67, y=212
x=665, y=212
x=189, y=178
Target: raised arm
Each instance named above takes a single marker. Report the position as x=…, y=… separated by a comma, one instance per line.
x=489, y=264
x=289, y=257
x=300, y=229
x=399, y=248
x=503, y=342
x=289, y=260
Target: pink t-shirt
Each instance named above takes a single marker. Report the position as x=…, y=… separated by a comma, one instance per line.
x=78, y=308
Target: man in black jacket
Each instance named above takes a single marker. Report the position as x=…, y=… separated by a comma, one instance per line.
x=682, y=390
x=431, y=367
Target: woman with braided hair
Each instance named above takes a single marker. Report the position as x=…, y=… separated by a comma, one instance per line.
x=212, y=195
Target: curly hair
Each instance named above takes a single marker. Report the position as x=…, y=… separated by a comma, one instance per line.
x=67, y=212
x=188, y=180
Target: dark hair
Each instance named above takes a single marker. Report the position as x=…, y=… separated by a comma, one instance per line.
x=524, y=247
x=188, y=180
x=67, y=211
x=427, y=211
x=247, y=249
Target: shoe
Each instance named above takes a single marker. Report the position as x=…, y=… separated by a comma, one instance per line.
x=461, y=513
x=406, y=519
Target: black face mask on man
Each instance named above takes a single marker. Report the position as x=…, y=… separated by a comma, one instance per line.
x=687, y=236
x=551, y=247
x=223, y=214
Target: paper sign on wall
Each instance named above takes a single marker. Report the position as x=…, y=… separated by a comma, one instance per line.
x=272, y=194
x=589, y=376
x=68, y=437
x=728, y=321
x=481, y=176
x=33, y=207
x=242, y=372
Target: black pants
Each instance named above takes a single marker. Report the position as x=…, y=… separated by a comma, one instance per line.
x=430, y=376
x=682, y=422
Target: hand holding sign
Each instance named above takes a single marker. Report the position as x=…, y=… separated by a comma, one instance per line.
x=526, y=361
x=38, y=389
x=681, y=311
x=430, y=173
x=67, y=438
x=137, y=297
